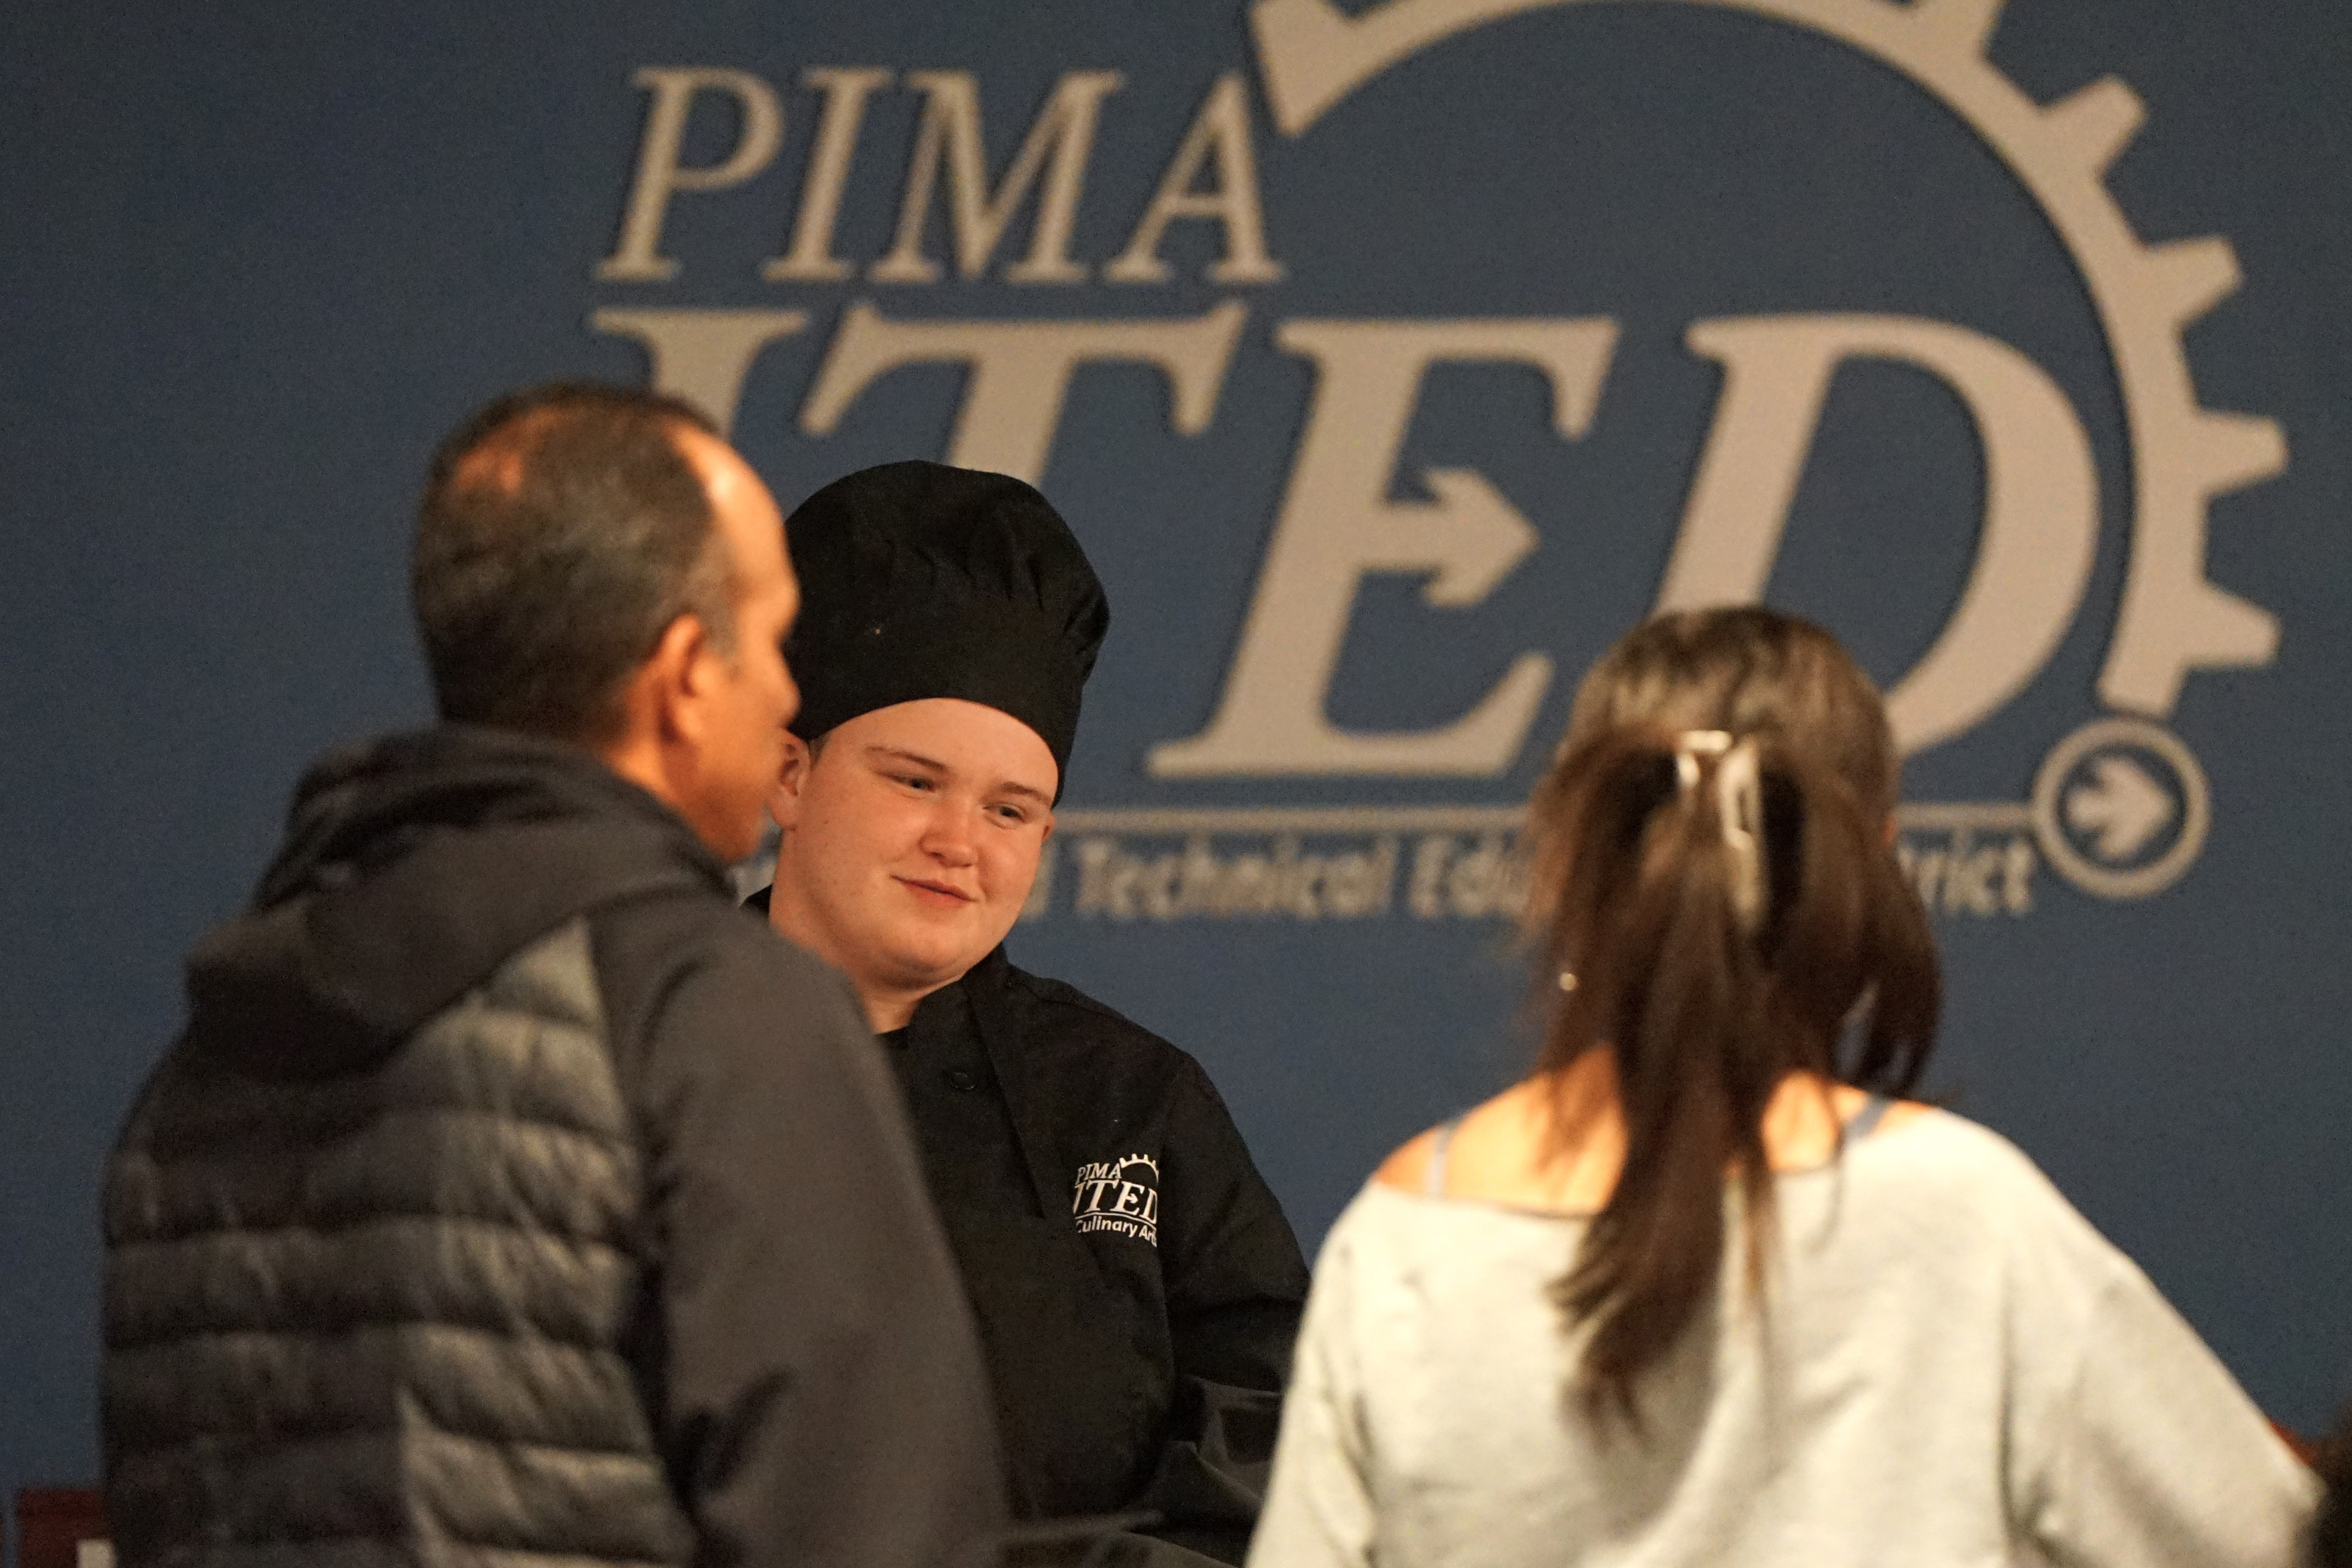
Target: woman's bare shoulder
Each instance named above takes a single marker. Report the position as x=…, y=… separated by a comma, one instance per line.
x=1407, y=1169
x=1489, y=1134
x=1901, y=1113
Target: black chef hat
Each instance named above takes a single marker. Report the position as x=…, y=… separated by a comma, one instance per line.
x=920, y=580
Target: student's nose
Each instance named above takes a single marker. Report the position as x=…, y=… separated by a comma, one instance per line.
x=949, y=835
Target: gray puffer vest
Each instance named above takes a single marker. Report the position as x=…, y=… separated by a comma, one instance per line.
x=405, y=1290
x=374, y=1262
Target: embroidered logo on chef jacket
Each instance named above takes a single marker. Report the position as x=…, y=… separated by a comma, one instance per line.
x=1121, y=1197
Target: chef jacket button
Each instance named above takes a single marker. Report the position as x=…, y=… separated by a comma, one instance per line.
x=963, y=1077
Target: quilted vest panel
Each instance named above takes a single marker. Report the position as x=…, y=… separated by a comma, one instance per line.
x=378, y=1317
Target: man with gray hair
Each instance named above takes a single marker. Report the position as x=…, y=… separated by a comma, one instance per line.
x=509, y=1196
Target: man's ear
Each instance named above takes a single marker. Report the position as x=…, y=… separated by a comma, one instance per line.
x=656, y=716
x=646, y=718
x=784, y=799
x=678, y=672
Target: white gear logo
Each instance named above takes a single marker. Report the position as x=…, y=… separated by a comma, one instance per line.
x=2172, y=620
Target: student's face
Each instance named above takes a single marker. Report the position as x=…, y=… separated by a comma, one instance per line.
x=911, y=840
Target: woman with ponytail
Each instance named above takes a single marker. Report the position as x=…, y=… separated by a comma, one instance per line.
x=1705, y=1289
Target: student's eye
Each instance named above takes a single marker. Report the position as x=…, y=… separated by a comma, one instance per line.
x=1011, y=815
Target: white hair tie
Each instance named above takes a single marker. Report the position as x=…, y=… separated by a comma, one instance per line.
x=1739, y=805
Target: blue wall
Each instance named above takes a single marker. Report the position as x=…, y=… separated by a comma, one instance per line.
x=259, y=257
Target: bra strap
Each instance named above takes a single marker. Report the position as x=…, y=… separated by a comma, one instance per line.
x=1434, y=1180
x=1867, y=1118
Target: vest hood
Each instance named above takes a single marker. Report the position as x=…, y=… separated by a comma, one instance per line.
x=412, y=868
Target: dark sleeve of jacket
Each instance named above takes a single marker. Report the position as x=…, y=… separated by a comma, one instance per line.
x=1235, y=1286
x=818, y=1388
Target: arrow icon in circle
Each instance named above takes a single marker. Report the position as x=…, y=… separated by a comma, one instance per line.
x=2123, y=807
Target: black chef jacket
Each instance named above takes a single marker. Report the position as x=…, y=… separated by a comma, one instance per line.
x=1136, y=1286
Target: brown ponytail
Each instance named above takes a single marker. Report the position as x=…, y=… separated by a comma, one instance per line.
x=1715, y=877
